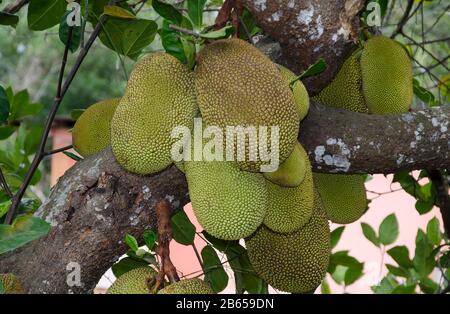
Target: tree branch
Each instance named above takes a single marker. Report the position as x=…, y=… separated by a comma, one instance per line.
x=441, y=186
x=404, y=20
x=5, y=185
x=15, y=6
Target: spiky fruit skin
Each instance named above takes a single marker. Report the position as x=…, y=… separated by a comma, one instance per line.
x=343, y=196
x=345, y=91
x=229, y=203
x=290, y=208
x=11, y=284
x=387, y=76
x=187, y=286
x=135, y=281
x=292, y=171
x=299, y=91
x=160, y=95
x=293, y=262
x=238, y=86
x=92, y=131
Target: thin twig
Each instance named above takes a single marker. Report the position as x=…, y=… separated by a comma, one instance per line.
x=60, y=94
x=5, y=185
x=441, y=187
x=184, y=30
x=404, y=19
x=59, y=150
x=198, y=255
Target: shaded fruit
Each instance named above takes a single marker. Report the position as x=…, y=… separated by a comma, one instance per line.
x=92, y=131
x=343, y=196
x=187, y=286
x=299, y=91
x=136, y=281
x=293, y=262
x=11, y=284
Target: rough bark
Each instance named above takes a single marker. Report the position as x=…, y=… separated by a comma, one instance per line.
x=309, y=30
x=90, y=209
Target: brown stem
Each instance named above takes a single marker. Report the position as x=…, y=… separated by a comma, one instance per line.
x=5, y=185
x=163, y=213
x=58, y=150
x=15, y=6
x=441, y=187
x=404, y=19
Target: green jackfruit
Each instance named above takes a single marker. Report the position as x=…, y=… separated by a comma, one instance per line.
x=345, y=91
x=293, y=262
x=229, y=203
x=299, y=91
x=238, y=86
x=343, y=196
x=136, y=281
x=187, y=286
x=11, y=284
x=92, y=131
x=290, y=208
x=387, y=76
x=292, y=171
x=160, y=96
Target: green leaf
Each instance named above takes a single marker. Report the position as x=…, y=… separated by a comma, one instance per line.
x=195, y=11
x=76, y=113
x=400, y=255
x=345, y=268
x=220, y=33
x=397, y=271
x=370, y=234
x=8, y=19
x=423, y=206
x=444, y=260
x=404, y=289
x=428, y=286
x=4, y=105
x=335, y=236
x=215, y=275
x=325, y=287
x=434, y=231
x=23, y=230
x=2, y=288
x=171, y=41
x=189, y=51
x=115, y=11
x=64, y=33
x=407, y=182
x=43, y=14
x=128, y=37
x=423, y=94
x=252, y=283
x=125, y=265
x=150, y=239
x=183, y=229
x=168, y=12
x=4, y=206
x=72, y=156
x=6, y=131
x=388, y=230
x=423, y=261
x=312, y=70
x=131, y=242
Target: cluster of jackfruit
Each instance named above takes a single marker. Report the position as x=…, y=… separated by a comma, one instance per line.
x=375, y=79
x=282, y=215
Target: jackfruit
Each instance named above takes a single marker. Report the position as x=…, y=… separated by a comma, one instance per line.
x=289, y=208
x=11, y=284
x=136, y=281
x=187, y=286
x=293, y=262
x=387, y=76
x=238, y=86
x=343, y=196
x=229, y=203
x=299, y=91
x=160, y=96
x=292, y=171
x=92, y=131
x=345, y=91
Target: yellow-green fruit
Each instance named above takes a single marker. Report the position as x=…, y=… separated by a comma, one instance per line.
x=188, y=286
x=345, y=91
x=135, y=281
x=290, y=208
x=229, y=203
x=237, y=85
x=180, y=166
x=343, y=196
x=92, y=131
x=293, y=262
x=292, y=171
x=160, y=96
x=11, y=284
x=387, y=76
x=299, y=91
